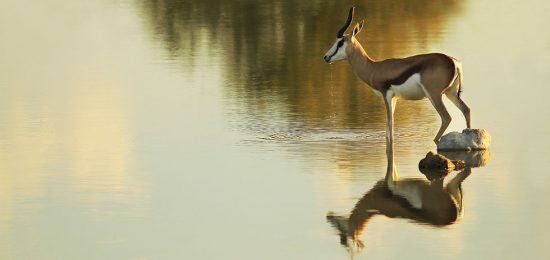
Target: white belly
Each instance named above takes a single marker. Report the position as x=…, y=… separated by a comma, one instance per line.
x=412, y=193
x=411, y=89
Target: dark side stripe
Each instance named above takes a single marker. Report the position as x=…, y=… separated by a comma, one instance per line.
x=404, y=76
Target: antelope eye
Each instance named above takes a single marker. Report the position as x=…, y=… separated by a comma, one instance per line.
x=340, y=43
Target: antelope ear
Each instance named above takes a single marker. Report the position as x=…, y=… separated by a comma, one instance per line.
x=358, y=27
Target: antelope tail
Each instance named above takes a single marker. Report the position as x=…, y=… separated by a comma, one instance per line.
x=459, y=76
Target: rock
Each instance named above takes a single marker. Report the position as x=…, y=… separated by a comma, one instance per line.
x=471, y=158
x=469, y=139
x=435, y=166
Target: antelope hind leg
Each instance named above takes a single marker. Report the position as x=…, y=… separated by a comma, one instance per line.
x=437, y=102
x=452, y=94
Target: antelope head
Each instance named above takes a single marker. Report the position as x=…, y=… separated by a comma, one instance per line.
x=338, y=51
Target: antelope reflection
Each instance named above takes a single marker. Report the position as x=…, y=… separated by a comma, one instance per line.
x=431, y=201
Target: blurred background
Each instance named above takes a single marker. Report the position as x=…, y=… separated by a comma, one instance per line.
x=214, y=129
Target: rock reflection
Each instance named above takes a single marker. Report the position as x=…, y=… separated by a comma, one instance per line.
x=471, y=158
x=434, y=202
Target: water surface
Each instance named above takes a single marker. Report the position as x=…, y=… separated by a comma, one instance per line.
x=213, y=129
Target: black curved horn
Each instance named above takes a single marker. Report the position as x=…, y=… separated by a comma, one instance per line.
x=346, y=25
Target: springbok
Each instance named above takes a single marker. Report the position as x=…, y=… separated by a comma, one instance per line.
x=422, y=201
x=414, y=199
x=412, y=78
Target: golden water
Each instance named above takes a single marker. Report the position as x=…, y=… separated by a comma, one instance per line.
x=214, y=129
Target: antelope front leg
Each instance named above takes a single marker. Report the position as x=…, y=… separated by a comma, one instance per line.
x=389, y=101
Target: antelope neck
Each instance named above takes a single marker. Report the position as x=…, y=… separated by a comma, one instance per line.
x=361, y=63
